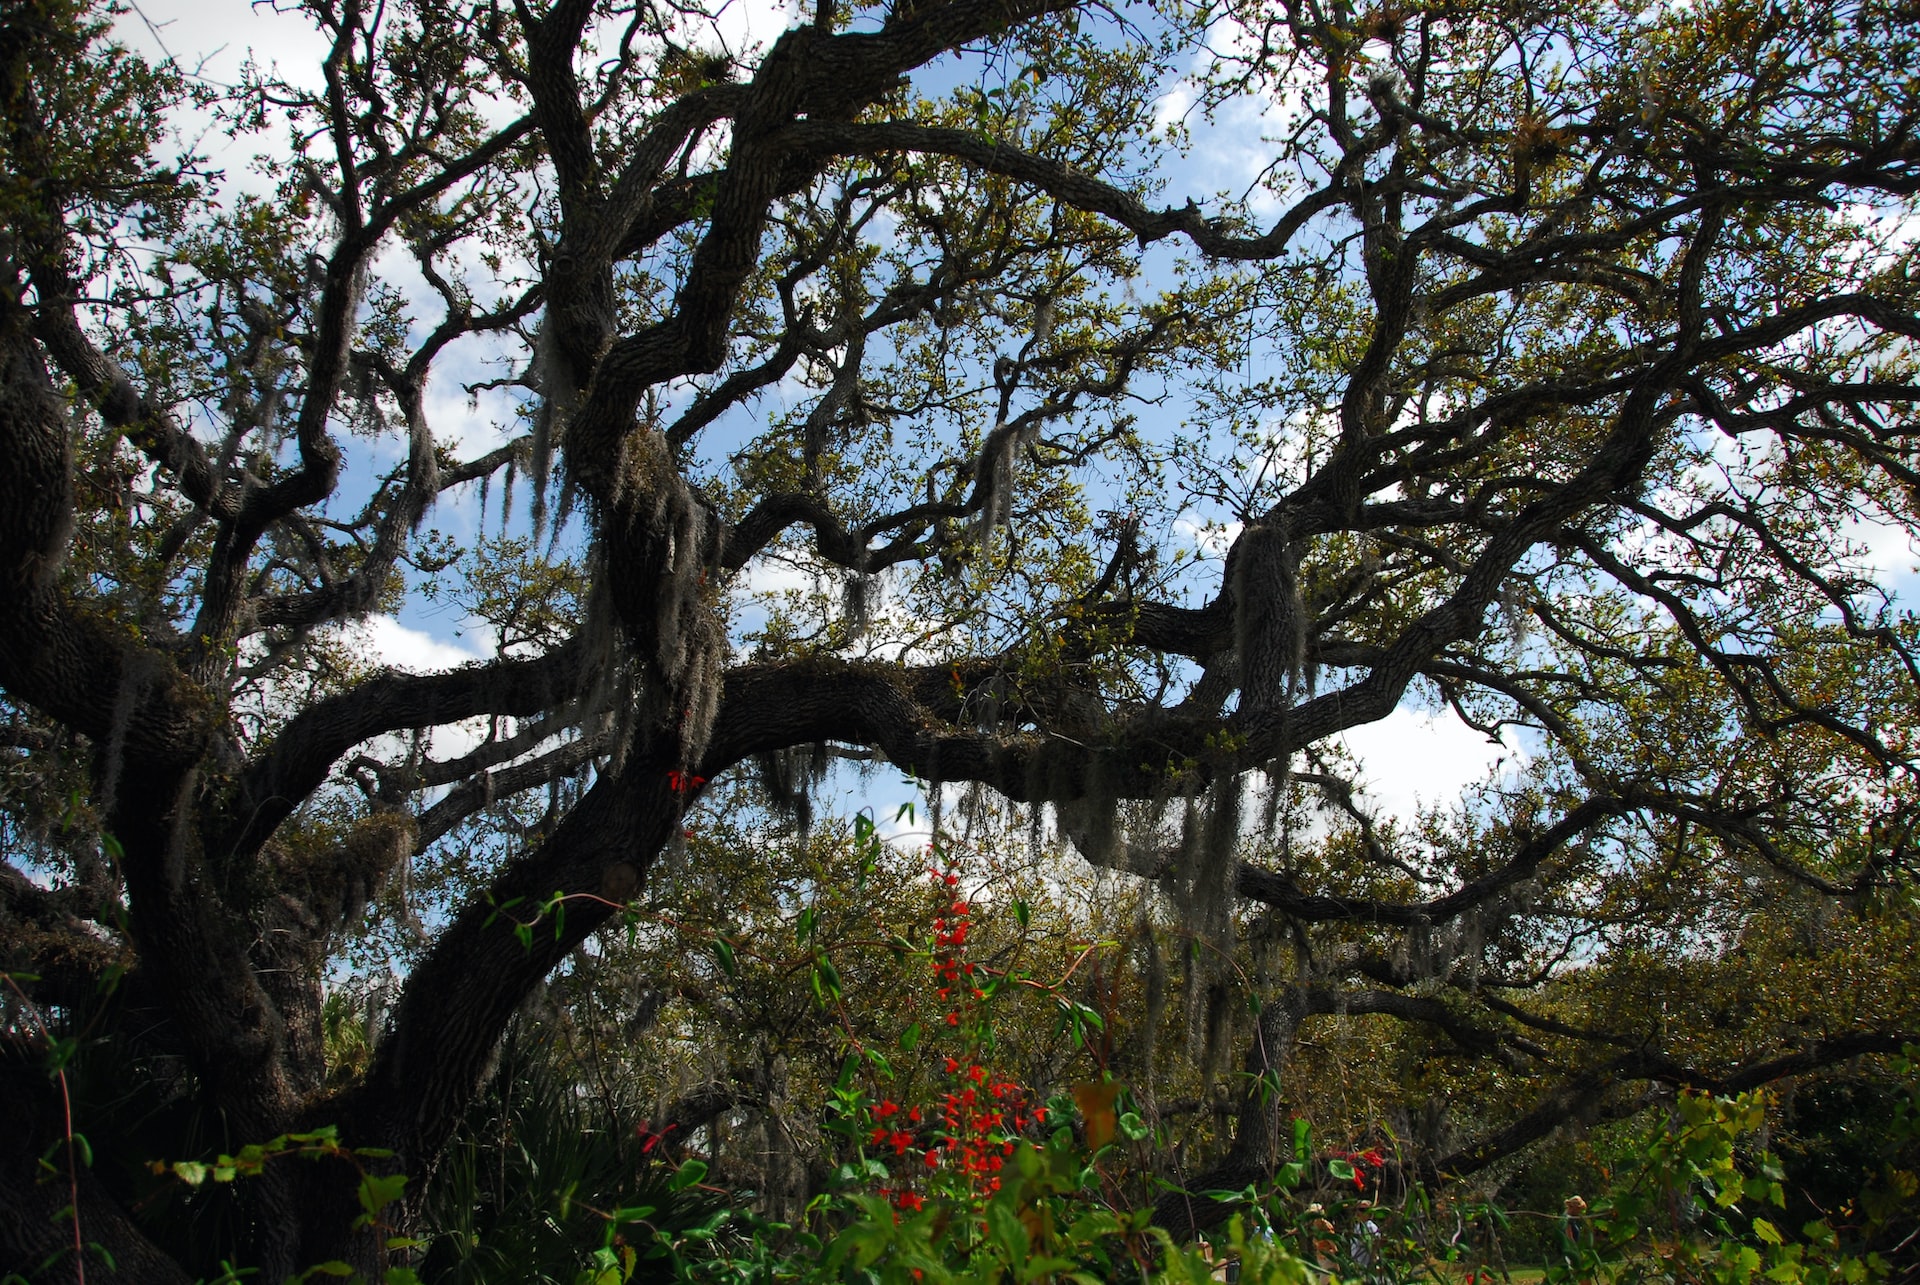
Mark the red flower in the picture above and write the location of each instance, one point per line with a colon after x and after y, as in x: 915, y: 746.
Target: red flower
x: 648, y: 1138
x: 684, y: 782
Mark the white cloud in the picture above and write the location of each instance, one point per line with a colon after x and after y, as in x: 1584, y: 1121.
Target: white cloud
x: 388, y: 642
x: 214, y: 38
x: 1173, y: 107
x: 767, y: 577
x: 741, y: 25
x: 1416, y: 757
x: 1887, y: 549
x: 1212, y: 539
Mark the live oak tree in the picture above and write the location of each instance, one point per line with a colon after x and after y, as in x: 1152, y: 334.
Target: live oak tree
x: 1548, y: 363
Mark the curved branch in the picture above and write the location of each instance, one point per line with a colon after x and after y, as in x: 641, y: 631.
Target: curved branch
x: 1583, y: 1098
x: 1064, y: 184
x: 279, y: 779
x: 486, y: 786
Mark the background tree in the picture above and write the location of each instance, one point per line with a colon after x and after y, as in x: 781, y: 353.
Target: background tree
x: 1544, y: 372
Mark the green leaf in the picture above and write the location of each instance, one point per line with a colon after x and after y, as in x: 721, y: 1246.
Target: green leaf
x: 377, y: 1191
x: 1766, y: 1231
x: 1008, y: 1232
x: 687, y: 1175
x: 826, y: 978
x: 326, y: 1133
x: 910, y: 1036
x: 191, y: 1172
x: 723, y: 955
x: 61, y: 1051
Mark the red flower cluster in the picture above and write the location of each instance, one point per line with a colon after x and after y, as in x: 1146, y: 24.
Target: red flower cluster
x: 981, y: 1118
x: 901, y: 1198
x: 684, y: 782
x: 898, y: 1139
x: 1361, y: 1162
x: 982, y: 1115
x: 949, y: 943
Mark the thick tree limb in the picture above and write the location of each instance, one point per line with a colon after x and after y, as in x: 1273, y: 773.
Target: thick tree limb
x: 281, y: 777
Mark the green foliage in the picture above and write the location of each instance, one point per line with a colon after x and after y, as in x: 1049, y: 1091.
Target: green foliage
x: 1692, y: 1210
x: 545, y: 1184
x: 1046, y: 1223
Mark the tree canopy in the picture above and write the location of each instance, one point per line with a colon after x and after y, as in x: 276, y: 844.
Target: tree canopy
x: 900, y: 390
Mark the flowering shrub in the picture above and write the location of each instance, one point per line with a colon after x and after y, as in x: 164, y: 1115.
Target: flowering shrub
x: 963, y: 1146
x: 950, y: 1162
